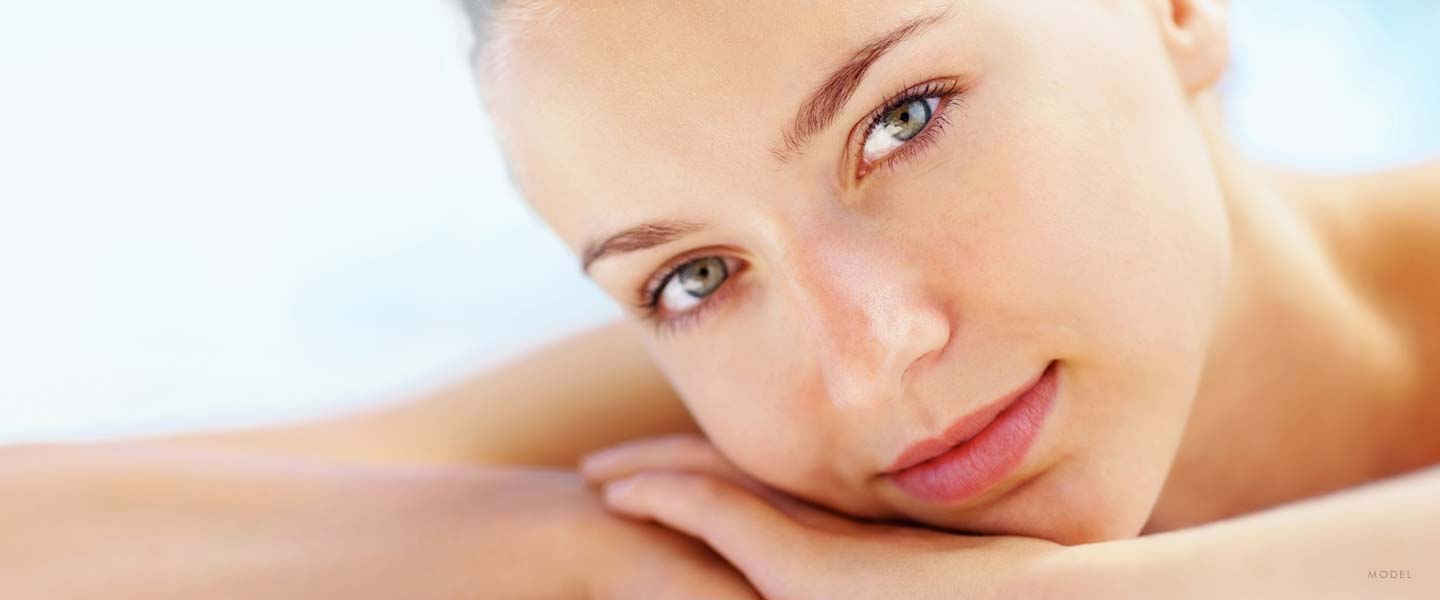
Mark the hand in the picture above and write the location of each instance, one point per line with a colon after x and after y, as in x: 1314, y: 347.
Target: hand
x: 790, y: 549
x: 571, y: 535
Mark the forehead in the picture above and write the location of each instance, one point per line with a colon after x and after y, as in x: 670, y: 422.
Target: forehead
x: 615, y: 112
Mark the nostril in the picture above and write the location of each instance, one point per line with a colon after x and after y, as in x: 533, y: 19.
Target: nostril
x: 928, y: 358
x: 917, y: 364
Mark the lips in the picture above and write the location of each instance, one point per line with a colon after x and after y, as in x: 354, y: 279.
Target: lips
x: 980, y: 449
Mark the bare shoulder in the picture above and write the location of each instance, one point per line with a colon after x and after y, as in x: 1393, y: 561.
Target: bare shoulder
x: 1383, y: 228
x: 1382, y: 231
x: 1398, y: 211
x: 1403, y: 201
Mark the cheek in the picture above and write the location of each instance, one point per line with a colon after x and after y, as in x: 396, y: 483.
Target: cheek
x: 1098, y: 194
x: 1033, y: 213
x: 1100, y: 241
x: 1128, y: 256
x: 745, y: 387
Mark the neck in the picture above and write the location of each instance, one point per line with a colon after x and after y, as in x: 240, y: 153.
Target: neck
x: 1298, y: 356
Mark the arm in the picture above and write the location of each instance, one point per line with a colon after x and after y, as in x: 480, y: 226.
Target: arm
x: 546, y: 408
x: 373, y: 505
x: 140, y: 521
x: 1323, y: 547
x: 1332, y: 546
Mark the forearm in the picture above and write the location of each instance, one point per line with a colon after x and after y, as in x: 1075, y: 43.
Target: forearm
x: 123, y: 521
x: 1380, y: 540
x: 545, y: 408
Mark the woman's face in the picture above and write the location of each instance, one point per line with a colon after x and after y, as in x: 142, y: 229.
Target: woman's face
x: 850, y: 224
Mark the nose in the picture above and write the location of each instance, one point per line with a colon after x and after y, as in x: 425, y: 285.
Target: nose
x: 869, y: 317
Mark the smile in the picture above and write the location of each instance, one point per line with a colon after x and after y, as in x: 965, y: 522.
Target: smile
x: 980, y: 449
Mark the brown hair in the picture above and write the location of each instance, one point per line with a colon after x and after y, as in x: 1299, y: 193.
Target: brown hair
x: 478, y: 12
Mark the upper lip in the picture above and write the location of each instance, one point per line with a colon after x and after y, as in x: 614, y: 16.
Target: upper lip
x: 957, y: 433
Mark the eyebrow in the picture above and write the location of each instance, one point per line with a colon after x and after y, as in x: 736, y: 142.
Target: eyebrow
x: 633, y: 239
x: 816, y: 113
x: 825, y: 103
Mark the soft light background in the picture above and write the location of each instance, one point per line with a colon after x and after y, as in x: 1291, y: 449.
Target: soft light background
x: 222, y: 214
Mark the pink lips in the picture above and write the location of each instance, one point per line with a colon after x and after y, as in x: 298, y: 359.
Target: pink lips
x: 980, y: 449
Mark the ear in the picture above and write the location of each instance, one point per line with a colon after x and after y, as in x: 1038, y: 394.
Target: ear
x: 1196, y: 34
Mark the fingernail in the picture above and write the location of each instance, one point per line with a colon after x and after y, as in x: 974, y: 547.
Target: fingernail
x: 594, y: 461
x: 619, y: 487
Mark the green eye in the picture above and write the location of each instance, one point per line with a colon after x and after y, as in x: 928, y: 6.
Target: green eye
x: 701, y: 277
x: 898, y: 125
x: 692, y: 283
x: 904, y: 122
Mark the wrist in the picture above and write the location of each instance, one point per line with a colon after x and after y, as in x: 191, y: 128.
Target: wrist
x: 1112, y: 569
x: 544, y: 530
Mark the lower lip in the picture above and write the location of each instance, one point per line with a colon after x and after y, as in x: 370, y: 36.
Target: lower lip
x: 982, y: 461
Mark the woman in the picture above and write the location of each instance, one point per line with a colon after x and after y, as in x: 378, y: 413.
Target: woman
x: 967, y: 298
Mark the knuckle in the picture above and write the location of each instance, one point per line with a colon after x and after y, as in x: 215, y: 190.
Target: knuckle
x: 683, y: 442
x: 701, y: 489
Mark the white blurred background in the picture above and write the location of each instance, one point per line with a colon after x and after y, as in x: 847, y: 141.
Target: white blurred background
x: 223, y: 214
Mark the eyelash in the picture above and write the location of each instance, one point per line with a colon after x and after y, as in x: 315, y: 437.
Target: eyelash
x: 649, y: 304
x: 947, y: 90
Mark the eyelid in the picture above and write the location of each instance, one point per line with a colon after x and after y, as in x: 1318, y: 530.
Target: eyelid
x: 667, y: 323
x: 648, y: 295
x: 947, y: 89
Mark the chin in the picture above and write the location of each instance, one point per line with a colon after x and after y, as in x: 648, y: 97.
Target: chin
x: 1064, y: 507
x: 1084, y: 510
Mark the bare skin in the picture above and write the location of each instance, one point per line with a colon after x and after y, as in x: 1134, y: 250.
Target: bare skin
x: 1337, y: 296
x: 1082, y: 205
x: 1321, y: 375
x: 1379, y: 229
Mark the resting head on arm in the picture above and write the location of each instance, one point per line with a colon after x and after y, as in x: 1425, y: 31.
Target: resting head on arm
x: 847, y: 228
x: 854, y: 234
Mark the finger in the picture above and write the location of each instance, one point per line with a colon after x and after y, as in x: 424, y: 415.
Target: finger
x: 749, y: 532
x: 683, y: 452
x: 686, y: 452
